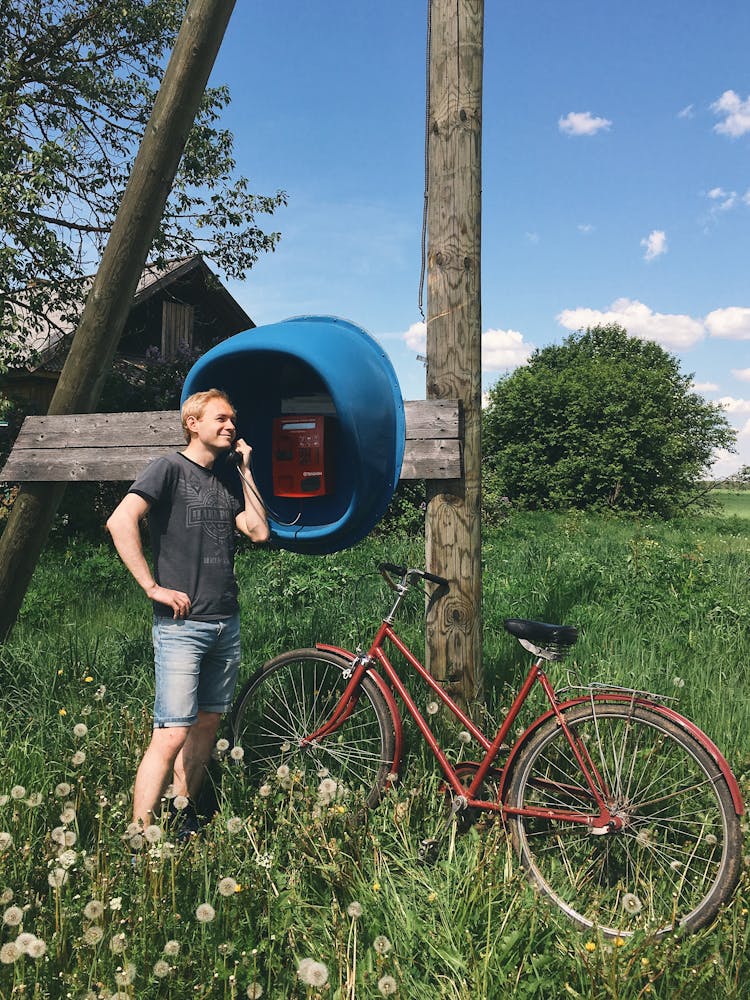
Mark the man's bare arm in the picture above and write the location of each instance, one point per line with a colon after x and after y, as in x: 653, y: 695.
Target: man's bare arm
x: 252, y: 521
x: 125, y: 531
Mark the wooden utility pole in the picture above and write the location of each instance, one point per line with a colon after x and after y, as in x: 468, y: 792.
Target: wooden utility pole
x: 111, y: 295
x: 454, y: 324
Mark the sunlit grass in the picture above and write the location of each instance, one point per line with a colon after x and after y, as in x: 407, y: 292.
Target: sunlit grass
x: 326, y: 901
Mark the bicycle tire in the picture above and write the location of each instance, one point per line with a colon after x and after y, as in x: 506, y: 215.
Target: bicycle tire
x: 291, y: 697
x: 678, y: 855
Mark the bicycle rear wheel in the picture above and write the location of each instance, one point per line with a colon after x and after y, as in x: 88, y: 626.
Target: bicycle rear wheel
x: 290, y: 698
x: 677, y: 857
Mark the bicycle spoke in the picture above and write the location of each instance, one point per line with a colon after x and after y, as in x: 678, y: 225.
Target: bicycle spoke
x: 667, y: 861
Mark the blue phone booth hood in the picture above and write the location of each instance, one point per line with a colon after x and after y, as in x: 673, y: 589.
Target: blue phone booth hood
x: 315, y: 365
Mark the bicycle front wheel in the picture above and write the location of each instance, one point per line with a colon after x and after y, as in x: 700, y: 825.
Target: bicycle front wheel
x: 677, y: 857
x: 289, y: 699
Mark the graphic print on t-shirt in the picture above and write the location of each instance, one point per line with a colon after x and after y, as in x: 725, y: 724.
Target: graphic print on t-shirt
x: 207, y: 505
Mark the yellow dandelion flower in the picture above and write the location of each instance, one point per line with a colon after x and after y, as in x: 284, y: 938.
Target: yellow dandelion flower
x: 88, y: 680
x: 432, y: 897
x: 59, y: 672
x: 619, y: 942
x: 62, y: 710
x: 590, y: 946
x: 376, y: 886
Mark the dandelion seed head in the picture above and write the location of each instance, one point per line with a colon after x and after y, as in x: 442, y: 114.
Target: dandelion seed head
x: 36, y: 948
x: 710, y: 839
x: 57, y: 836
x: 464, y: 736
x: 93, y: 910
x: 222, y: 745
x: 6, y: 841
x: 93, y: 935
x: 63, y: 790
x: 4, y: 800
x: 117, y: 943
x: 23, y: 941
x: 227, y: 886
x: 264, y: 791
x: 234, y: 824
x: 254, y: 991
x: 34, y: 800
x: 161, y: 968
x: 205, y: 913
x: 126, y: 976
x: 312, y: 973
x: 382, y: 945
x: 18, y: 792
x: 6, y: 896
x: 68, y: 815
x: 137, y: 841
x: 432, y: 708
x: 282, y: 772
x: 236, y: 753
x: 387, y: 985
x: 13, y: 916
x: 78, y: 758
x: 66, y: 859
x: 285, y: 746
x: 100, y: 692
x: 9, y: 953
x: 678, y: 682
x: 57, y: 878
x: 354, y: 909
x: 80, y: 729
x: 152, y: 834
x: 181, y: 802
x: 327, y: 790
x: 631, y: 903
x: 172, y: 948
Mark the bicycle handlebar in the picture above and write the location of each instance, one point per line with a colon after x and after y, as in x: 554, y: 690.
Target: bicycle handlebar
x: 404, y: 571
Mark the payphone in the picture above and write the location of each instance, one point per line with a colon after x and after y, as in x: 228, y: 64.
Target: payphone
x: 301, y: 460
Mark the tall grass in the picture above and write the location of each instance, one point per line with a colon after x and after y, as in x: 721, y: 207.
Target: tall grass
x: 662, y: 607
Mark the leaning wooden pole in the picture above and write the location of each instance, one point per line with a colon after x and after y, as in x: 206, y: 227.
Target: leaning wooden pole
x: 111, y: 295
x: 453, y: 524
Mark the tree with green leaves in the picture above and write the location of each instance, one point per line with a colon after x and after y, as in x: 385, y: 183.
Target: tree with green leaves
x: 78, y: 79
x: 602, y: 420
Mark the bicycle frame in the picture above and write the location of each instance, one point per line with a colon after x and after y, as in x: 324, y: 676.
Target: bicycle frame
x: 602, y: 821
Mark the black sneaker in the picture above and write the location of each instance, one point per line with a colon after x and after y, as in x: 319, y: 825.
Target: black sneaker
x: 184, y: 822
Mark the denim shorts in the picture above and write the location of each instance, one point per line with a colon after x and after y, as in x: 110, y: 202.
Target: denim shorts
x: 196, y: 668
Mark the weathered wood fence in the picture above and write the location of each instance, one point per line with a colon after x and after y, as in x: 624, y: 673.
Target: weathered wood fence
x: 116, y: 446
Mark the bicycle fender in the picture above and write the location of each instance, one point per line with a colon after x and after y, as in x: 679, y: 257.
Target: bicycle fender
x: 383, y: 687
x: 668, y: 713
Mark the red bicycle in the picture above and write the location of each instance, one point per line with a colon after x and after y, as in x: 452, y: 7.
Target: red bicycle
x: 621, y: 810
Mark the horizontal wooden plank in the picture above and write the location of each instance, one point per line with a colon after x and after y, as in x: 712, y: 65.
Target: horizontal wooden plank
x: 422, y: 460
x: 424, y: 419
x: 117, y: 446
x: 432, y: 460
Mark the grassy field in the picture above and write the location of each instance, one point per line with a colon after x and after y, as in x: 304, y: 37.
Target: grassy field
x: 734, y: 503
x: 274, y: 880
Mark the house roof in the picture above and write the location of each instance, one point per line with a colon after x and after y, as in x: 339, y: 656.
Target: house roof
x: 46, y: 340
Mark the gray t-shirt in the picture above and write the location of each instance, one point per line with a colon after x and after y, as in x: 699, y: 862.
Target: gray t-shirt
x: 191, y: 522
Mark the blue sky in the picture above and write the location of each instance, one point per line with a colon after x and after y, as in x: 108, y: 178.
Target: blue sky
x: 616, y: 181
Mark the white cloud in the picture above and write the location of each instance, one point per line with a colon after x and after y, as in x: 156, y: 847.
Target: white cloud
x: 582, y: 123
x: 532, y: 238
x: 586, y: 228
x: 504, y: 349
x: 731, y: 405
x: 745, y: 431
x: 416, y: 337
x: 668, y: 329
x: 705, y: 386
x: 723, y: 200
x: 732, y: 323
x: 735, y: 114
x: 686, y: 112
x: 655, y: 244
x: 743, y: 374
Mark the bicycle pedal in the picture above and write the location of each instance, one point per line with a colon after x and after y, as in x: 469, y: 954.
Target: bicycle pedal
x: 428, y: 850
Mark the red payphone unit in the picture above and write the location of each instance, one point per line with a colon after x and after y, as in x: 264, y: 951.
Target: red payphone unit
x: 301, y: 456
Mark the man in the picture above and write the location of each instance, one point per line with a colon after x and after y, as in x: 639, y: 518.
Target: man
x: 193, y: 509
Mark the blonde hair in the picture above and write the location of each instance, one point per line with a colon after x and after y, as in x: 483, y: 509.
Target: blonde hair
x: 195, y: 405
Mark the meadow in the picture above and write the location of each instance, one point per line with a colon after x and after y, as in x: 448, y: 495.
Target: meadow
x: 284, y: 899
